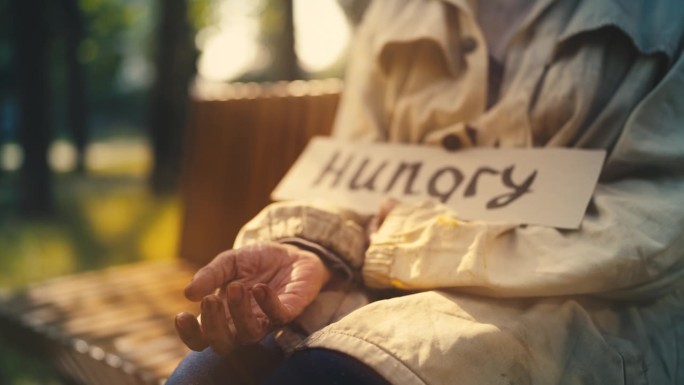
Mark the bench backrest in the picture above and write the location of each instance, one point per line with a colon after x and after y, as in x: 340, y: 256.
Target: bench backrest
x: 242, y: 139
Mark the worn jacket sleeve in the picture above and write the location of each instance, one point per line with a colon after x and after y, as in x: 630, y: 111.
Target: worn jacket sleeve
x: 630, y: 243
x: 359, y: 117
x: 339, y: 230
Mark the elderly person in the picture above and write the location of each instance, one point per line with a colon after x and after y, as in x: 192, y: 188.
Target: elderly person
x: 475, y: 302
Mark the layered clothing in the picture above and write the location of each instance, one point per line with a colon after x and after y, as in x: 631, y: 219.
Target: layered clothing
x: 500, y: 303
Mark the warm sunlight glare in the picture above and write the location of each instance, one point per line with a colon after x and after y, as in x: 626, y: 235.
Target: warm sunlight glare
x: 230, y: 47
x: 11, y: 156
x: 321, y: 33
x: 62, y: 156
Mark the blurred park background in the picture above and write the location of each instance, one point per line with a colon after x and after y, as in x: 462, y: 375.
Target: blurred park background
x: 93, y: 105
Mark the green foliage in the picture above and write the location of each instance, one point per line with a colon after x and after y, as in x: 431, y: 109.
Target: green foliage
x: 202, y: 13
x: 110, y: 26
x: 104, y: 219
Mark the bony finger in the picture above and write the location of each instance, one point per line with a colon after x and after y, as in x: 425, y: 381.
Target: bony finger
x: 212, y: 276
x: 189, y: 331
x: 248, y: 328
x: 271, y: 305
x: 215, y: 326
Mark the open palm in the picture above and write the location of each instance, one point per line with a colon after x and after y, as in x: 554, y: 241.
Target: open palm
x: 248, y: 292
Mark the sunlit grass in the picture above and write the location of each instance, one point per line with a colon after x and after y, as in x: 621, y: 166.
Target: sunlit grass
x: 103, y: 218
x: 158, y: 242
x: 106, y: 217
x: 111, y: 216
x: 33, y: 251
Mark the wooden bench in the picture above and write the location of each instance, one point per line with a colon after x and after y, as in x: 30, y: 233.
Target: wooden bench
x: 115, y: 326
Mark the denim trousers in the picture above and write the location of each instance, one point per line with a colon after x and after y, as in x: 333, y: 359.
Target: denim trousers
x: 266, y: 364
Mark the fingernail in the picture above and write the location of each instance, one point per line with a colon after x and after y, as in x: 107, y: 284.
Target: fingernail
x: 182, y: 320
x: 208, y: 304
x: 235, y: 292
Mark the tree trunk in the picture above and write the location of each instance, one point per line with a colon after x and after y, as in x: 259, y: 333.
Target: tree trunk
x: 286, y: 55
x: 354, y: 10
x: 169, y: 97
x: 33, y: 64
x: 277, y: 34
x: 76, y: 102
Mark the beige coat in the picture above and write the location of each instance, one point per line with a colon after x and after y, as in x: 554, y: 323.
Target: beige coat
x: 496, y: 303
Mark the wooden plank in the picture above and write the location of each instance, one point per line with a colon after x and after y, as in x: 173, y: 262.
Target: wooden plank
x: 101, y: 328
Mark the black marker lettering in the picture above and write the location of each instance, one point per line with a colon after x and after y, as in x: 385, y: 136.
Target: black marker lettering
x: 330, y: 169
x: 472, y: 186
x: 518, y: 190
x: 403, y: 166
x: 457, y: 178
x: 370, y: 183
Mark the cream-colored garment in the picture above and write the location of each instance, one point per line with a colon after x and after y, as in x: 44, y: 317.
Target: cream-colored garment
x: 579, y: 73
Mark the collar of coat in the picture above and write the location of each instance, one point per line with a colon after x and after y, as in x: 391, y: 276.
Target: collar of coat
x: 654, y: 26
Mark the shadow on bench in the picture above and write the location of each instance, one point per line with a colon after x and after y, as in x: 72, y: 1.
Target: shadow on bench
x: 115, y: 326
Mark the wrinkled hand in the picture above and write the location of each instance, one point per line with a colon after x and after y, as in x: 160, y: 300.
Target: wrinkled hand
x: 248, y: 292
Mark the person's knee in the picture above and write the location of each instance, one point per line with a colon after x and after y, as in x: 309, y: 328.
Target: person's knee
x: 204, y: 368
x: 323, y: 366
x: 246, y: 365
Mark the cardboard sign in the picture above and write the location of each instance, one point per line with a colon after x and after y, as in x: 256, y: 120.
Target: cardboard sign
x: 550, y: 187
